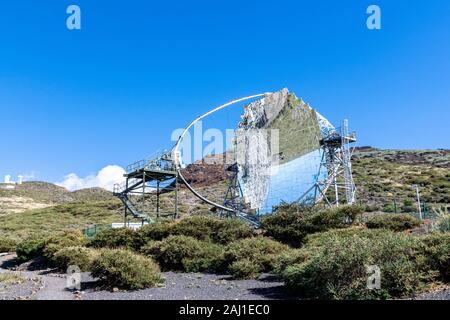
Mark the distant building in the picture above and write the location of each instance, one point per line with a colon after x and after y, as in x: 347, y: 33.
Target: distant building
x: 8, y: 184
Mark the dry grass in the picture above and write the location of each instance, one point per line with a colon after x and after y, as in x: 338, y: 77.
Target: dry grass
x: 10, y: 278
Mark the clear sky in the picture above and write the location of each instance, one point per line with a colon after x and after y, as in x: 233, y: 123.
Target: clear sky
x: 112, y: 92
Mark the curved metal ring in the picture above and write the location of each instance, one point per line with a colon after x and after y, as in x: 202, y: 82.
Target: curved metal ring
x: 177, y: 157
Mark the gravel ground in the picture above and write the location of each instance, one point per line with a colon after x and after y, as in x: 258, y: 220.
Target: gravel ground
x: 46, y: 284
x: 25, y: 290
x: 192, y: 286
x: 440, y: 294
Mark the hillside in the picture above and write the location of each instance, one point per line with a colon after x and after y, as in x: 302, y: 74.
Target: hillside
x: 43, y: 222
x: 384, y: 175
x: 38, y: 195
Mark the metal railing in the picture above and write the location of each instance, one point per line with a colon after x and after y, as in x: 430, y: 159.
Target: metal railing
x: 160, y: 161
x: 119, y: 188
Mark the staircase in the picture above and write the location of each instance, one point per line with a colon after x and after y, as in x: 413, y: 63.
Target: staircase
x: 136, y: 214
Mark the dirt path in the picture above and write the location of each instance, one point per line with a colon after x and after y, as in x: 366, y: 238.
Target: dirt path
x: 195, y: 286
x: 44, y: 284
x: 37, y: 284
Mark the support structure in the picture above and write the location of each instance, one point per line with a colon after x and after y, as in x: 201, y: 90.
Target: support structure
x: 336, y: 159
x: 233, y: 197
x: 146, y: 181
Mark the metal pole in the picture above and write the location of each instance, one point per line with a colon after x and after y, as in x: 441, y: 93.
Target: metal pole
x: 418, y: 201
x: 126, y: 210
x: 336, y: 191
x: 143, y: 190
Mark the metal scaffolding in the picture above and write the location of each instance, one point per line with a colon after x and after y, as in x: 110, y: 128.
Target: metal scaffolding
x: 337, y: 152
x: 146, y: 180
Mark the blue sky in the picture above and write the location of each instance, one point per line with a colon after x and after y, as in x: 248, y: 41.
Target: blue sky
x: 111, y: 93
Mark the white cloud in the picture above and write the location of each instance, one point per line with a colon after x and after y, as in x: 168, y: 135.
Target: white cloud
x: 105, y: 178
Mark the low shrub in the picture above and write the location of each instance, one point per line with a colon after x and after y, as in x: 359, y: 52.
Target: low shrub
x: 231, y: 230
x: 287, y: 227
x: 320, y: 239
x: 336, y: 267
x: 30, y: 248
x: 198, y: 227
x: 7, y: 245
x: 244, y: 269
x: 64, y: 239
x: 291, y: 224
x: 203, y: 228
x: 156, y: 231
x: 182, y: 253
x: 262, y: 252
x: 388, y: 208
x: 408, y: 206
x: 81, y: 257
x: 126, y: 270
x: 394, y: 222
x: 443, y: 224
x: 436, y: 248
x: 118, y: 238
x: 206, y: 228
x: 334, y: 218
x: 289, y: 258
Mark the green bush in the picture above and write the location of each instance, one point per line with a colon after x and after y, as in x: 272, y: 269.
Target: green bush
x: 337, y: 264
x: 64, y: 239
x: 289, y: 258
x: 182, y: 253
x: 118, y: 238
x: 389, y: 208
x: 203, y: 228
x: 156, y: 231
x: 394, y: 222
x: 334, y: 218
x: 206, y: 228
x: 81, y: 257
x: 436, y: 248
x: 318, y: 240
x: 126, y: 270
x: 291, y: 224
x: 230, y: 230
x: 30, y: 248
x: 287, y: 227
x: 408, y: 206
x: 262, y: 252
x: 244, y: 269
x: 443, y: 224
x: 369, y: 208
x: 7, y: 245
